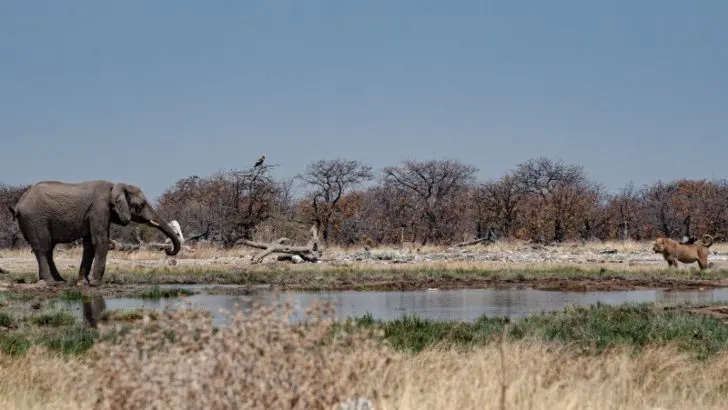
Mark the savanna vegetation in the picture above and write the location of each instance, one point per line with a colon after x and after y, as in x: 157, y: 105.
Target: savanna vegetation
x: 629, y: 357
x: 423, y: 202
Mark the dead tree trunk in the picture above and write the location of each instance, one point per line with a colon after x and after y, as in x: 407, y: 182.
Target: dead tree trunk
x: 309, y: 253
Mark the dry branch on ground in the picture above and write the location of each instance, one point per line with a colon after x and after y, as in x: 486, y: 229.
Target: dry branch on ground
x: 131, y: 247
x: 310, y: 252
x: 474, y: 242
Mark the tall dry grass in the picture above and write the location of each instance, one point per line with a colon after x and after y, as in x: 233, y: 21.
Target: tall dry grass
x: 179, y: 361
x: 538, y: 376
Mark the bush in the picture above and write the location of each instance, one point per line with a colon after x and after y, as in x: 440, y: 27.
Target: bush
x: 260, y: 361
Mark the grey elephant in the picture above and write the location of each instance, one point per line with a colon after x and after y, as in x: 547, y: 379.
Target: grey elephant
x: 53, y: 212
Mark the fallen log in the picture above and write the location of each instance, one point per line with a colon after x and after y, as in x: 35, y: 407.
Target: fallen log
x: 131, y: 247
x: 473, y: 242
x: 309, y: 252
x: 490, y: 237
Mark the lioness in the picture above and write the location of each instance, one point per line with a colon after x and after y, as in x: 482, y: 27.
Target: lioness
x: 674, y: 251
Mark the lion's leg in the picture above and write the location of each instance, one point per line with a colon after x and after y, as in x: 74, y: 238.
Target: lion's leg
x: 668, y: 259
x: 703, y: 261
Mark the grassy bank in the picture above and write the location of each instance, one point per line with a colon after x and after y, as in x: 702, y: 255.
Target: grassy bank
x: 570, y: 265
x: 408, y: 277
x: 588, y: 329
x: 576, y: 359
x: 54, y: 329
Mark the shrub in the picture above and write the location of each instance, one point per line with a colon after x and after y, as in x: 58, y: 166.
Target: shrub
x: 261, y: 361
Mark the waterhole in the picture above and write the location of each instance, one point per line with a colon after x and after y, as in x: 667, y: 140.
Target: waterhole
x: 458, y: 305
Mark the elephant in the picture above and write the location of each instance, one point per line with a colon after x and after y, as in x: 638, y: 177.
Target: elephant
x: 54, y: 212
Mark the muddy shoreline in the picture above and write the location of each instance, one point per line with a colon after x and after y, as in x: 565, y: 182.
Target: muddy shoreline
x: 574, y: 284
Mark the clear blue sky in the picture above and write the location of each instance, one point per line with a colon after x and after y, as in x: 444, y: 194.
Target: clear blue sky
x: 152, y: 91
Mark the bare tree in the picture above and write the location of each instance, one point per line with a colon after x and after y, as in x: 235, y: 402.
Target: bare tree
x: 225, y: 206
x: 592, y: 209
x: 496, y: 204
x: 433, y: 186
x: 389, y: 215
x: 715, y: 211
x: 557, y: 189
x: 330, y: 180
x: 10, y: 235
x: 627, y: 204
x: 660, y: 211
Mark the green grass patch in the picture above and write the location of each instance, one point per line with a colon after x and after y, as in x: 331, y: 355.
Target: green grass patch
x: 71, y: 295
x: 70, y: 340
x: 6, y: 297
x: 6, y: 320
x: 594, y: 328
x: 14, y: 344
x: 155, y: 292
x: 53, y: 318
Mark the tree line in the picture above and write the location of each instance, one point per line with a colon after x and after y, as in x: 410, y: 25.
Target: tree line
x: 422, y: 202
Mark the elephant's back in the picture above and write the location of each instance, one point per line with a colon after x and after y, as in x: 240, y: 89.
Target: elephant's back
x: 58, y: 195
x: 55, y: 184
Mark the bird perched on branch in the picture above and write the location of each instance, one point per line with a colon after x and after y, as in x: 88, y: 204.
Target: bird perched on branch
x: 259, y: 162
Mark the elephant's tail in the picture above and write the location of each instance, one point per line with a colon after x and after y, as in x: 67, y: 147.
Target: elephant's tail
x: 13, y: 212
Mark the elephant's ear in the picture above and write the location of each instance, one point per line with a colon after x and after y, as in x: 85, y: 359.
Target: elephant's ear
x: 119, y: 203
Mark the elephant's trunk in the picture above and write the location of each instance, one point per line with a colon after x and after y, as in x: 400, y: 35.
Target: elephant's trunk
x: 163, y: 226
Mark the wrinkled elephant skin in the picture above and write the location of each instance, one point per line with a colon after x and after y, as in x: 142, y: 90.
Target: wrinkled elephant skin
x: 53, y: 212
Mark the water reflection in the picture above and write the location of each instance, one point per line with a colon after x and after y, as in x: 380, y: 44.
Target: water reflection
x: 463, y: 305
x: 93, y: 308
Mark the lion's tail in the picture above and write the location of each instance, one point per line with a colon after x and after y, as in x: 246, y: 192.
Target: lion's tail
x: 707, y: 240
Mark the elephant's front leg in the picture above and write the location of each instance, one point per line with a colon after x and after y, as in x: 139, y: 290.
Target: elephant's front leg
x: 86, y: 261
x: 98, y: 266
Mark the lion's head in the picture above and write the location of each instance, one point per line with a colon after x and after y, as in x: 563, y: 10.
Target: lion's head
x: 658, y: 246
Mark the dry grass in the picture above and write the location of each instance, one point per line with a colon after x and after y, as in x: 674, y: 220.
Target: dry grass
x: 543, y: 377
x: 179, y: 361
x: 38, y: 381
x: 207, y: 251
x: 536, y: 377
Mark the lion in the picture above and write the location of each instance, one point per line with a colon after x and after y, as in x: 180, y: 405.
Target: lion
x: 674, y: 251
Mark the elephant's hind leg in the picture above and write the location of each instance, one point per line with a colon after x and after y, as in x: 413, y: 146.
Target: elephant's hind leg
x: 86, y: 260
x: 54, y: 271
x: 44, y: 269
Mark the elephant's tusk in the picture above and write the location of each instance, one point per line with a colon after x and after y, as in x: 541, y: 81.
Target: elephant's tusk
x: 154, y: 224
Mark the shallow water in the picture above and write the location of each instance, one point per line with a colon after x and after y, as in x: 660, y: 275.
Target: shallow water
x: 462, y: 305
